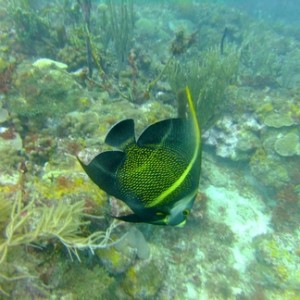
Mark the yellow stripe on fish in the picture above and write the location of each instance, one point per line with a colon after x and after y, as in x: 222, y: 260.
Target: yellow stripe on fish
x: 157, y: 175
x: 180, y: 180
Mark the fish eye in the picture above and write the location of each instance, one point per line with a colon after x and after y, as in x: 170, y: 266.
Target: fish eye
x: 186, y: 212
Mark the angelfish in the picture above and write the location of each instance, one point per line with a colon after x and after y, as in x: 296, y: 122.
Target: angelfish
x: 157, y: 175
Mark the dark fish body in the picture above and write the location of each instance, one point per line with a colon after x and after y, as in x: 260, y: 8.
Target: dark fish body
x: 157, y: 175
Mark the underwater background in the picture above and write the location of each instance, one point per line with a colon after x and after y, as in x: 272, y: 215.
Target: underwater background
x: 70, y: 69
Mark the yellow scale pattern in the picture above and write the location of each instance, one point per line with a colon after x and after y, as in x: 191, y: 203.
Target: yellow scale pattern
x: 143, y: 166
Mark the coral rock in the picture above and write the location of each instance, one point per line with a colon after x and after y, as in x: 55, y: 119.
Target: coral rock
x: 43, y: 63
x: 288, y: 144
x: 278, y: 120
x: 144, y: 279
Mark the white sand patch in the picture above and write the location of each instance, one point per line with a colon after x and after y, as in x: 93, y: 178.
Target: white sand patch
x: 245, y: 216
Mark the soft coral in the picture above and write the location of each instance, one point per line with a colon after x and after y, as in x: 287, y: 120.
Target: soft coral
x: 5, y: 78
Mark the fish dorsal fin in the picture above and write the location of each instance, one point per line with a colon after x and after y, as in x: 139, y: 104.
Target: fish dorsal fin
x: 165, y: 132
x: 121, y: 134
x: 103, y: 169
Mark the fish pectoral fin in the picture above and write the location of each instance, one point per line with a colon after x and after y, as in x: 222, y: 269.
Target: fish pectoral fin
x: 103, y: 168
x: 133, y: 218
x: 121, y: 134
x: 157, y: 219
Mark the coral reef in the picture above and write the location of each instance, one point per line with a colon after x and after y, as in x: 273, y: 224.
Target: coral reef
x: 3, y: 115
x: 26, y: 221
x: 118, y: 258
x: 276, y: 262
x: 33, y: 31
x: 121, y: 19
x: 87, y: 282
x: 268, y: 170
x: 233, y: 140
x: 208, y: 79
x: 129, y: 60
x: 288, y: 144
x: 6, y: 72
x: 144, y: 279
x: 261, y: 66
x: 286, y: 212
x: 55, y: 94
x: 278, y: 120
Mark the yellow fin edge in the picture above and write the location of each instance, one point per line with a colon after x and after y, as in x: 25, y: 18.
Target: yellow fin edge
x: 179, y: 181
